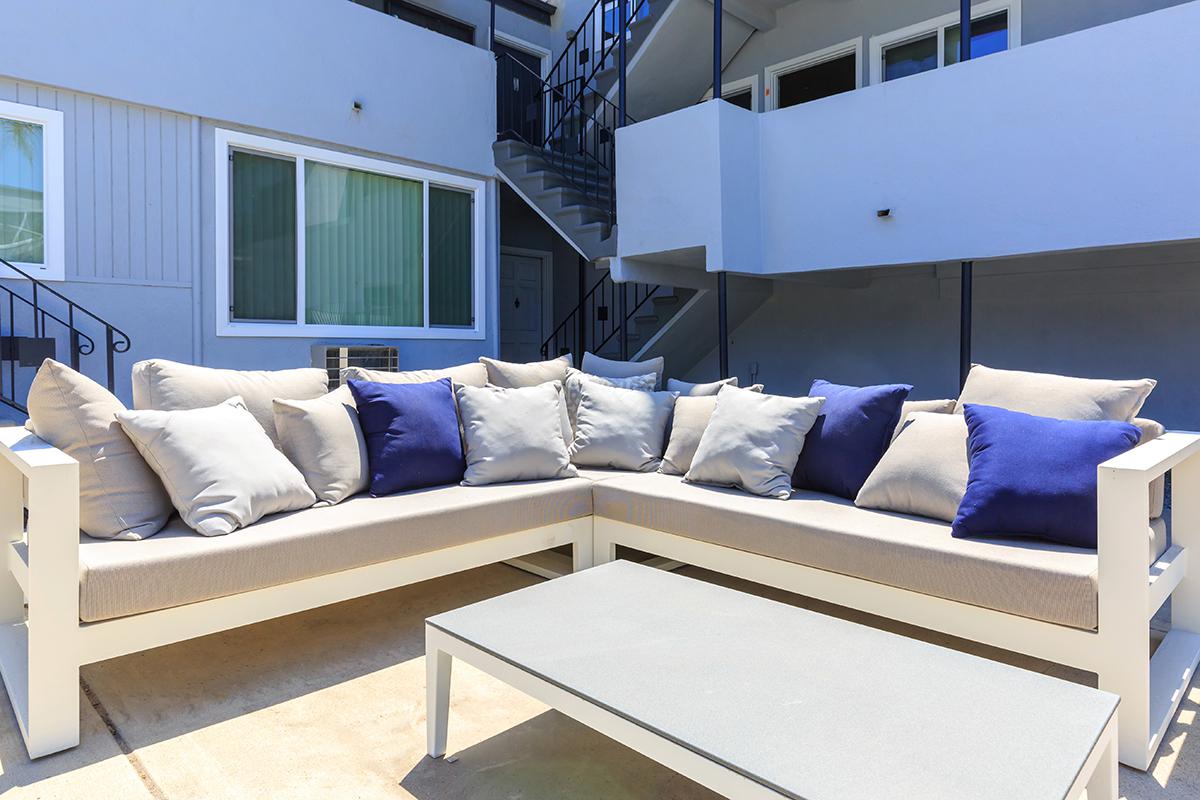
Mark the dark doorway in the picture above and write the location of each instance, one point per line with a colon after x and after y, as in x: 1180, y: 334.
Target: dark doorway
x: 742, y: 98
x: 430, y: 20
x: 820, y: 80
x: 521, y: 101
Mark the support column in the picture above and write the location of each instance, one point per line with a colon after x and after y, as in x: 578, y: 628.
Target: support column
x: 492, y: 28
x: 623, y: 318
x: 717, y: 49
x: 581, y: 338
x: 622, y: 24
x: 968, y: 267
x: 722, y: 322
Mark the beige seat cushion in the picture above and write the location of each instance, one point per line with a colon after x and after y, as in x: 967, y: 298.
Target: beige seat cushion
x: 177, y: 566
x: 1024, y: 577
x: 163, y: 385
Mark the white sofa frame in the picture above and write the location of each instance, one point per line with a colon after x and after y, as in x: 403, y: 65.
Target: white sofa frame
x: 1118, y: 651
x: 43, y: 643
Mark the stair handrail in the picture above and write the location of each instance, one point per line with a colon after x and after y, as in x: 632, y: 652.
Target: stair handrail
x: 571, y: 317
x: 650, y: 292
x: 81, y: 343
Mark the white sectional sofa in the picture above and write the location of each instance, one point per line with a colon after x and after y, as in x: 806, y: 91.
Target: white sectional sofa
x: 68, y: 600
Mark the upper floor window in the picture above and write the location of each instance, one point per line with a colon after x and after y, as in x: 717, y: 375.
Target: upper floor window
x: 430, y: 20
x: 31, y: 189
x: 320, y: 243
x: 995, y: 27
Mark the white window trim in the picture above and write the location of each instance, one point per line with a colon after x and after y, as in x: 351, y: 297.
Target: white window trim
x: 53, y: 190
x: 226, y: 139
x: 938, y: 25
x: 775, y: 71
x: 740, y: 85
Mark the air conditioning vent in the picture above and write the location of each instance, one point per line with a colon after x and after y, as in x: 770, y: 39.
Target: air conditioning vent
x: 333, y: 359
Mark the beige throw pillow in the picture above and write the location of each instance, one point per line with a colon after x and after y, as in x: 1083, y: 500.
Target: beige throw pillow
x: 170, y: 386
x: 218, y: 465
x: 621, y: 428
x: 687, y: 426
x: 120, y: 497
x: 472, y: 374
x: 1058, y: 396
x: 323, y: 439
x: 612, y: 368
x: 686, y: 389
x: 753, y: 441
x: 510, y: 375
x: 929, y: 406
x: 924, y: 471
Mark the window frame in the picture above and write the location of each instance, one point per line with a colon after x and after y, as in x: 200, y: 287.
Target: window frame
x: 774, y: 72
x: 738, y: 86
x: 53, y: 267
x: 937, y: 26
x: 229, y: 140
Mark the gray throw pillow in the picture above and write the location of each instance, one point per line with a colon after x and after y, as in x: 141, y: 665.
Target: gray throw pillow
x: 514, y: 434
x: 686, y: 389
x: 924, y: 471
x: 687, y: 426
x: 611, y: 368
x: 120, y: 497
x: 471, y: 374
x: 220, y: 468
x: 621, y: 428
x: 1058, y: 396
x: 510, y: 375
x: 929, y: 406
x: 576, y: 379
x: 753, y: 441
x: 164, y: 385
x: 323, y: 439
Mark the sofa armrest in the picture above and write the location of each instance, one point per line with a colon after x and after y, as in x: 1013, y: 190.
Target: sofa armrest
x: 40, y: 478
x: 1126, y: 600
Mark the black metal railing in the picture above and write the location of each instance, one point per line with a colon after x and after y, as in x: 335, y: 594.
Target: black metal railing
x: 596, y: 320
x: 580, y: 146
x: 33, y: 320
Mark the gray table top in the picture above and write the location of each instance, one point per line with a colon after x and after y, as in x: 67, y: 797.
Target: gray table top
x: 813, y: 706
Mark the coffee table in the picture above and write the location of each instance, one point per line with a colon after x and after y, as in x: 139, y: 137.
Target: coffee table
x: 758, y: 699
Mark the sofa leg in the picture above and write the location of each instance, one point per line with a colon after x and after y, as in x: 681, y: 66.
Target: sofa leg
x: 582, y: 547
x: 604, y: 549
x: 1129, y: 677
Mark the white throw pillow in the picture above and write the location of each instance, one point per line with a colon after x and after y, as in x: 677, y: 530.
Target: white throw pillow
x: 621, y: 428
x: 170, y: 386
x: 611, y: 368
x: 323, y: 439
x: 515, y: 434
x: 1058, y: 396
x: 686, y: 389
x: 220, y: 468
x: 120, y: 497
x: 511, y: 375
x: 472, y: 374
x: 924, y: 471
x: 753, y: 441
x: 576, y: 379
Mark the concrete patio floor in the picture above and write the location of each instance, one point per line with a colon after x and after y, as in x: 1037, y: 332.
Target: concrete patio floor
x: 331, y: 703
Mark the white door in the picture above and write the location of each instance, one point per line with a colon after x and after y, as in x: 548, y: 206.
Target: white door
x: 520, y: 307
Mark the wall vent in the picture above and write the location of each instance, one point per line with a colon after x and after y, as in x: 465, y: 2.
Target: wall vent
x: 333, y: 359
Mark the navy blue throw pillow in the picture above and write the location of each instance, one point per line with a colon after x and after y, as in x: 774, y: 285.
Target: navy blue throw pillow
x: 411, y: 430
x: 849, y: 437
x: 1035, y: 476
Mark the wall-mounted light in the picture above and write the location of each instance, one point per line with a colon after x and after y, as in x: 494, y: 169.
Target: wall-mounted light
x: 357, y: 106
x: 883, y: 212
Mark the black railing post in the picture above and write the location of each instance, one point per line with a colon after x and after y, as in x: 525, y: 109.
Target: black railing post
x: 623, y: 15
x: 581, y: 341
x: 109, y: 351
x: 492, y: 28
x: 623, y: 319
x: 968, y: 267
x: 717, y: 49
x: 723, y: 323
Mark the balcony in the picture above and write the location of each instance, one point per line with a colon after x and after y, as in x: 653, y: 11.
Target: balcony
x: 1082, y: 142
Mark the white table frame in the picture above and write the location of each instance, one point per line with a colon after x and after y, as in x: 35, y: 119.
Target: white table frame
x: 1097, y: 779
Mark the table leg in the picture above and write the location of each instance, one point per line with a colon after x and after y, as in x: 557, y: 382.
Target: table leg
x: 437, y: 699
x: 1103, y: 783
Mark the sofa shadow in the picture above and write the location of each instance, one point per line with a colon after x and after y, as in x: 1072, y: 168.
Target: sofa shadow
x: 548, y: 757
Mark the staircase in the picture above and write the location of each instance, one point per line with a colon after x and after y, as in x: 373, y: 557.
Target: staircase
x: 38, y: 322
